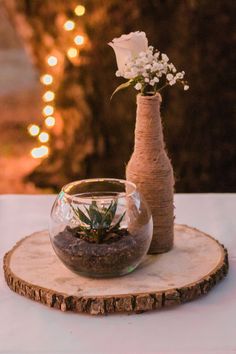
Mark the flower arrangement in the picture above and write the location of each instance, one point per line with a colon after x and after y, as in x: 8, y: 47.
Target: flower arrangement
x: 146, y: 69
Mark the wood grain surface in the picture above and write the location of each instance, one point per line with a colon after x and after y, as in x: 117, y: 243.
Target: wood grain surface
x: 192, y: 268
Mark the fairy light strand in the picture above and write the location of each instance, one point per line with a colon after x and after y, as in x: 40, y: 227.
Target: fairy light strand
x: 49, y: 80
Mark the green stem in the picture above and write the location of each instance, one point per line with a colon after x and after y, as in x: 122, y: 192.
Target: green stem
x: 143, y: 90
x: 99, y: 235
x: 160, y: 89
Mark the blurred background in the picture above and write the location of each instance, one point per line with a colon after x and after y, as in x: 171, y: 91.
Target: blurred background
x: 57, y: 74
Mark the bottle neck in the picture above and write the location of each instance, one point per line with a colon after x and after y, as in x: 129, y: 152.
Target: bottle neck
x: 148, y: 128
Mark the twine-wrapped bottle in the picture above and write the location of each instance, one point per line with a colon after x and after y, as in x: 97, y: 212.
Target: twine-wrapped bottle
x: 151, y: 170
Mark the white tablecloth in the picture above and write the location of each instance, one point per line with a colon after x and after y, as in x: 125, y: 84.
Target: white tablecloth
x: 204, y: 326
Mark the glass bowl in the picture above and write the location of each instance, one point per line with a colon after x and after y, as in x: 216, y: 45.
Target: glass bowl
x: 100, y: 227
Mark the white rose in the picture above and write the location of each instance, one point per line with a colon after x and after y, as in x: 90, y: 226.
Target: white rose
x: 128, y: 46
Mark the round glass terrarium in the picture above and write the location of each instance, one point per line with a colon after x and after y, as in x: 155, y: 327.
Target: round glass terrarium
x: 100, y: 227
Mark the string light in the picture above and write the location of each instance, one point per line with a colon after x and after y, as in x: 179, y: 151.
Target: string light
x: 79, y: 40
x: 50, y: 122
x: 46, y: 79
x: 72, y: 52
x: 79, y: 10
x: 43, y: 137
x: 48, y: 96
x: 48, y: 110
x: 33, y: 129
x: 69, y: 25
x: 52, y: 60
x: 40, y: 152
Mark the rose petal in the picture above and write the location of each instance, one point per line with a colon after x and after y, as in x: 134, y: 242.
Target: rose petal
x: 122, y: 55
x: 128, y: 45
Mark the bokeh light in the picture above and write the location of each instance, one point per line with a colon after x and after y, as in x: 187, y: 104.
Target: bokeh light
x: 43, y: 137
x: 46, y: 79
x: 33, y: 129
x: 48, y: 96
x: 79, y: 10
x: 50, y: 122
x: 40, y: 152
x: 52, y: 60
x: 72, y: 52
x: 48, y: 110
x: 69, y: 25
x: 79, y: 40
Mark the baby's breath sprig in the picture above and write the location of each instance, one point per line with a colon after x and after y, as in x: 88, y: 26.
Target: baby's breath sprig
x: 150, y: 72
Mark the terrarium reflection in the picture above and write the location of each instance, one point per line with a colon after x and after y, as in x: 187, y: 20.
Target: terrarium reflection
x: 100, y: 227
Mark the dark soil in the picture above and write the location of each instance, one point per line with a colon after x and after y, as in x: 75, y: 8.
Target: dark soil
x: 118, y: 256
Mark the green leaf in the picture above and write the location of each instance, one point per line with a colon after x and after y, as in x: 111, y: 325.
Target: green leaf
x: 113, y: 209
x: 83, y: 228
x: 80, y: 214
x: 117, y: 225
x: 95, y: 215
x: 109, y: 214
x: 98, y: 220
x: 122, y: 87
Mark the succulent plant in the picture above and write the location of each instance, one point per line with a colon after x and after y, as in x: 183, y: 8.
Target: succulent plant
x: 97, y: 224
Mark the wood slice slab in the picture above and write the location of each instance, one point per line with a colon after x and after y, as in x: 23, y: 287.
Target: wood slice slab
x: 195, y: 264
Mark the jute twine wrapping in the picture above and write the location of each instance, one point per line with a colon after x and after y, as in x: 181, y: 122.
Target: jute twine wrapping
x: 151, y: 170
